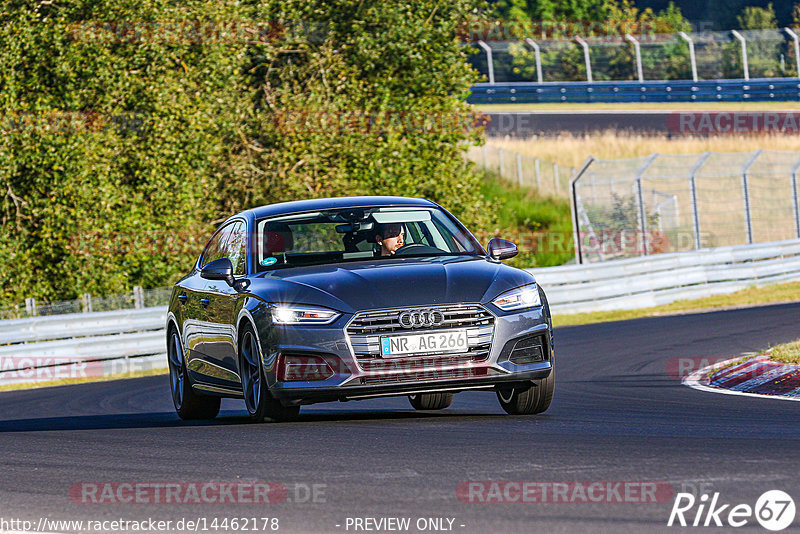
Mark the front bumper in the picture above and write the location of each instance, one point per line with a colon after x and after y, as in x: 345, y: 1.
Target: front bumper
x: 449, y: 372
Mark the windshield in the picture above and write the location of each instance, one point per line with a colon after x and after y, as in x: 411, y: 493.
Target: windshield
x: 357, y: 234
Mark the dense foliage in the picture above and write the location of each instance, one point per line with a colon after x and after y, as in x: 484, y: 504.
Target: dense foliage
x: 132, y: 127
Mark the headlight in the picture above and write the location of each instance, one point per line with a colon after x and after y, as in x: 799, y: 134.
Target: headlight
x: 517, y: 299
x: 293, y: 314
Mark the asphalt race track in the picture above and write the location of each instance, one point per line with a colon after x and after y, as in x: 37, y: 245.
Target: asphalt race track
x: 618, y: 415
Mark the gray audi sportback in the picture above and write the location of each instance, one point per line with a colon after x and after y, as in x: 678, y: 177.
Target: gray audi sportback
x: 355, y: 298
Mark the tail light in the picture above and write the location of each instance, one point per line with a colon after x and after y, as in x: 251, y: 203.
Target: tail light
x: 302, y: 368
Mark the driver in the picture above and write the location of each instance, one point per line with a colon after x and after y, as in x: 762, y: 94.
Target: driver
x: 390, y: 237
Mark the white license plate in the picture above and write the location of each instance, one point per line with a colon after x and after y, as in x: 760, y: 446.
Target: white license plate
x: 450, y: 341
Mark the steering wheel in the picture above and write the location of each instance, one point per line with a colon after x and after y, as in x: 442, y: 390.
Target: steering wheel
x: 416, y: 248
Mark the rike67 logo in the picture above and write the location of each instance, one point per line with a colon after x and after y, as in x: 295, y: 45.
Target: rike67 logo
x: 774, y: 510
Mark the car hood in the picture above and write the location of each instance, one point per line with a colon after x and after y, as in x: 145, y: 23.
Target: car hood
x: 390, y: 283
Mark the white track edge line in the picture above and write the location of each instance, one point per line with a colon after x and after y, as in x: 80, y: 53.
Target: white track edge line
x: 693, y: 381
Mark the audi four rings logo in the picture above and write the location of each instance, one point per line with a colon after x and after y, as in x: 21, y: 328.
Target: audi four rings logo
x: 418, y: 318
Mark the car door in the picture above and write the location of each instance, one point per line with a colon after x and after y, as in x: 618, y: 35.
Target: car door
x: 221, y: 349
x: 202, y: 332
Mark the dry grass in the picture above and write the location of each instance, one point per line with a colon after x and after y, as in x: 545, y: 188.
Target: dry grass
x: 747, y: 297
x: 572, y: 151
x: 786, y: 353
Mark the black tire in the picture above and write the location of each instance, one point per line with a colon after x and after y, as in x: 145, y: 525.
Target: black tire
x: 188, y: 403
x: 431, y: 401
x: 533, y: 399
x: 261, y: 405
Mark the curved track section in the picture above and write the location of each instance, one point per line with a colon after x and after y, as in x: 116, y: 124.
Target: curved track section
x: 619, y: 415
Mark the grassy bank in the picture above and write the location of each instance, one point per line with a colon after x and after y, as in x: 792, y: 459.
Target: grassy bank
x: 786, y: 353
x: 539, y: 225
x: 754, y: 296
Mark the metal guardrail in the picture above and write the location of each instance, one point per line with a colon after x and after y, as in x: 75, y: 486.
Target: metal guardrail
x: 664, y: 278
x: 762, y: 90
x: 82, y: 344
x: 134, y: 339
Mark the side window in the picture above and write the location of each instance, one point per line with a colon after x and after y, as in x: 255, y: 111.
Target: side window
x: 236, y: 248
x: 215, y: 249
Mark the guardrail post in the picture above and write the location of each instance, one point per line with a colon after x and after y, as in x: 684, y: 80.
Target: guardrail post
x: 693, y: 189
x: 500, y: 156
x: 794, y: 200
x: 588, y: 63
x: 489, y: 60
x: 692, y: 57
x: 746, y: 195
x: 638, y: 53
x: 538, y: 55
x: 538, y: 174
x: 86, y: 303
x: 741, y: 39
x: 796, y: 42
x: 519, y: 169
x: 573, y: 206
x: 138, y: 297
x: 640, y: 198
x: 30, y: 306
x: 556, y: 187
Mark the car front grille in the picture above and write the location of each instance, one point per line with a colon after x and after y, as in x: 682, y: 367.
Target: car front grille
x: 420, y: 376
x: 366, y: 329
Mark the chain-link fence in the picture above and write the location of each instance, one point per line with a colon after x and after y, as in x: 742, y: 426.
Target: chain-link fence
x: 672, y: 203
x: 732, y: 54
x: 138, y: 298
x: 547, y: 177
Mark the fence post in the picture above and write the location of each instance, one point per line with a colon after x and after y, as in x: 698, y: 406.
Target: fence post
x: 519, y: 169
x: 556, y: 188
x: 483, y: 150
x: 489, y: 60
x: 538, y: 55
x: 640, y: 198
x: 638, y: 53
x: 693, y: 189
x: 138, y: 297
x: 86, y: 303
x: 796, y: 43
x: 538, y: 174
x: 573, y: 206
x: 692, y: 58
x: 500, y: 155
x: 30, y: 306
x: 588, y: 63
x: 741, y: 39
x: 746, y: 195
x: 794, y: 200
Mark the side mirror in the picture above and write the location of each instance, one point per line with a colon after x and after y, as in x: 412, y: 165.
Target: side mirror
x: 221, y: 269
x: 500, y: 249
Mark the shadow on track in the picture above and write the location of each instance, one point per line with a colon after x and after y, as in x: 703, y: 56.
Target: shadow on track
x: 169, y: 419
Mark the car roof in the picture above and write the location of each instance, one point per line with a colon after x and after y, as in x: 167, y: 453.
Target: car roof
x: 300, y: 206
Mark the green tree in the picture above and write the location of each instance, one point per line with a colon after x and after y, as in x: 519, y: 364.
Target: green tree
x: 757, y: 18
x: 129, y: 132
